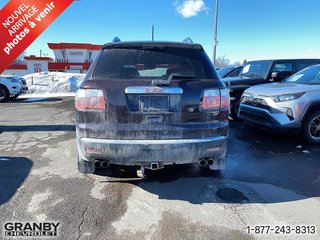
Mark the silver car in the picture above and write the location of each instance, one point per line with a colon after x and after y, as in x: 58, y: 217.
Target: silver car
x: 293, y: 104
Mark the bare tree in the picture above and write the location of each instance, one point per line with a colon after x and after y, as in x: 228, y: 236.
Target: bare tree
x: 237, y: 63
x: 222, y: 61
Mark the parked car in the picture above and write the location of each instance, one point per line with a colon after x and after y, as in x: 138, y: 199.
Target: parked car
x: 293, y: 104
x: 11, y: 87
x: 151, y: 104
x: 230, y: 71
x: 263, y: 71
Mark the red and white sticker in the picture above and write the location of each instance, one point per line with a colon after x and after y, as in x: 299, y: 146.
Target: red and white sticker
x: 21, y: 22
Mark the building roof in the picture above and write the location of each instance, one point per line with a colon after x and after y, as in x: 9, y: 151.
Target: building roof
x: 18, y: 67
x: 38, y: 58
x: 86, y: 46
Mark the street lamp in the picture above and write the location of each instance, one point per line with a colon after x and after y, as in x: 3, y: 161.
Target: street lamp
x: 215, y: 33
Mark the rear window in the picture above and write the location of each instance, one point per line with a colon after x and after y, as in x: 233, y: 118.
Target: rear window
x: 153, y: 63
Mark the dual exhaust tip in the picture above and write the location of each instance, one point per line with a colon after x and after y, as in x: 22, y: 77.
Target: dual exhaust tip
x: 101, y: 164
x: 206, y: 162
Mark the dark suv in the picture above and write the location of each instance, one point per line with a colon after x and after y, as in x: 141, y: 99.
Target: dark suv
x: 151, y: 104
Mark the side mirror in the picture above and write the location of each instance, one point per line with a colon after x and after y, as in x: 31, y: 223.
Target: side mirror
x: 278, y: 76
x: 275, y: 75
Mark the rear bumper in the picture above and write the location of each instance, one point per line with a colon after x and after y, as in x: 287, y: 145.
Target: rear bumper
x: 145, y: 152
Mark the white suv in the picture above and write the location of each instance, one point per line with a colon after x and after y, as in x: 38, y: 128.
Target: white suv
x: 293, y: 104
x: 11, y: 87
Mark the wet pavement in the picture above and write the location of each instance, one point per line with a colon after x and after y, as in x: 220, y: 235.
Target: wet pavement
x: 272, y: 179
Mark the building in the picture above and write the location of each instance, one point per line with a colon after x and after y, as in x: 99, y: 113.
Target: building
x: 73, y: 57
x: 69, y: 57
x: 37, y: 64
x: 16, y: 69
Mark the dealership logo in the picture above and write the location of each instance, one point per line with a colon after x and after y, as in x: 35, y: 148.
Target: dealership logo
x: 76, y: 53
x: 33, y: 229
x: 153, y: 90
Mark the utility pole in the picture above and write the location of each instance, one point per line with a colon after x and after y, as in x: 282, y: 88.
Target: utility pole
x: 215, y: 34
x: 152, y: 33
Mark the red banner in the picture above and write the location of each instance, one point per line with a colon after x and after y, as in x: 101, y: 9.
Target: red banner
x: 21, y: 22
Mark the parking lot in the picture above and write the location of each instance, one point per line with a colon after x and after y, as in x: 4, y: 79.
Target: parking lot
x: 271, y: 179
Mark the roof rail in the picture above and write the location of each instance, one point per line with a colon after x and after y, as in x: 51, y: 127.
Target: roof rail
x: 187, y: 40
x: 116, y: 39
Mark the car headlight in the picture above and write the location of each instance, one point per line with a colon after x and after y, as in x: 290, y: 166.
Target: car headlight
x: 287, y: 97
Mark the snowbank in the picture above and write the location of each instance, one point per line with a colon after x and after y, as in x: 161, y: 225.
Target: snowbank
x: 53, y: 83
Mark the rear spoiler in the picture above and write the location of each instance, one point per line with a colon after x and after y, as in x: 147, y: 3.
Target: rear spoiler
x: 153, y: 44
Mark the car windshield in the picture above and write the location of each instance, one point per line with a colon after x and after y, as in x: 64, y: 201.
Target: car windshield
x: 225, y: 70
x: 153, y: 63
x: 256, y: 69
x: 309, y: 75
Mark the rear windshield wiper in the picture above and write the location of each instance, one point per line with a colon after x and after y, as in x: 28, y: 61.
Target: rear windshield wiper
x: 161, y: 82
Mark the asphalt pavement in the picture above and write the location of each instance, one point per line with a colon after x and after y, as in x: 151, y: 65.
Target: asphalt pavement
x: 272, y: 179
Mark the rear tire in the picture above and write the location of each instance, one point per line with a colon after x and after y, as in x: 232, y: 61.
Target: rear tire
x: 234, y: 111
x: 4, y: 94
x: 311, y: 127
x: 85, y: 166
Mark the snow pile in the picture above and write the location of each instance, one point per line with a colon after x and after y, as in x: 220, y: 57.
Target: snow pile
x: 53, y: 83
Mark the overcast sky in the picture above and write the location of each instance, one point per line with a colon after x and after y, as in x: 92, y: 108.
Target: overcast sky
x: 248, y: 29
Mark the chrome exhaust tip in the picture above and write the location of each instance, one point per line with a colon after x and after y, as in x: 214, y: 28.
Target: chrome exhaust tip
x: 104, y: 164
x: 210, y: 161
x: 202, y: 163
x: 97, y: 164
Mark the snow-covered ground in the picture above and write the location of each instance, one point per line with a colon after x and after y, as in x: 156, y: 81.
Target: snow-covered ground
x: 52, y: 84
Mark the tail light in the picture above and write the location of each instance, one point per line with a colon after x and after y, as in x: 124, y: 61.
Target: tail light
x: 90, y: 99
x: 215, y: 100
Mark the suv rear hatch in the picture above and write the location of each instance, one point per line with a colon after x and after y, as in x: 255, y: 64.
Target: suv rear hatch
x: 153, y: 91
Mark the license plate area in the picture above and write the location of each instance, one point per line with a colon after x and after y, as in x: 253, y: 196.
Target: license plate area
x: 153, y: 103
x: 154, y: 99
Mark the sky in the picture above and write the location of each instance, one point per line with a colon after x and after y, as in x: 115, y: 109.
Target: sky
x: 247, y: 29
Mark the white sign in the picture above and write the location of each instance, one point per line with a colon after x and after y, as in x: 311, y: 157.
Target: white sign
x: 76, y: 55
x: 76, y: 67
